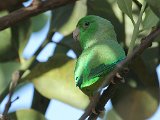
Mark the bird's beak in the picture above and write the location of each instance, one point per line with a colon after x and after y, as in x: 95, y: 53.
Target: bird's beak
x: 76, y: 34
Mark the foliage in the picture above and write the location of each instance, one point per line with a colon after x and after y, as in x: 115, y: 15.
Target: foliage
x: 54, y: 79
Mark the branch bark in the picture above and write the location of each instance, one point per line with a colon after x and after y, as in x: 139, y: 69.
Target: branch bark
x: 107, y: 94
x: 34, y: 9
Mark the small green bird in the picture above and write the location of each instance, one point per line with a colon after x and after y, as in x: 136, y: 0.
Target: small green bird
x: 101, y: 52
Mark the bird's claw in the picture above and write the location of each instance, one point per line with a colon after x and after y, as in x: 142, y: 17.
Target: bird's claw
x: 118, y: 77
x: 94, y: 111
x: 100, y: 112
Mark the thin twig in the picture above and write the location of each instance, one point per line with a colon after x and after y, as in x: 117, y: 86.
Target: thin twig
x: 15, y: 78
x: 107, y: 94
x: 25, y: 13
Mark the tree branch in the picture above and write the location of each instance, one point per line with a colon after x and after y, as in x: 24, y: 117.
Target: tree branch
x: 34, y: 9
x: 107, y: 94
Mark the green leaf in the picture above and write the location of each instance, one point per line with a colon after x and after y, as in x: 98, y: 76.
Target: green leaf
x: 7, y: 50
x: 154, y: 4
x: 39, y: 21
x: 133, y: 104
x: 150, y: 19
x: 26, y: 115
x: 112, y: 115
x: 14, y: 40
x: 66, y: 18
x: 145, y: 74
x: 20, y: 36
x: 55, y: 80
x: 126, y: 7
x: 6, y: 70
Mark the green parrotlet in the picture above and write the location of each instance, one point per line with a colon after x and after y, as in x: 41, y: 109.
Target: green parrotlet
x: 101, y: 52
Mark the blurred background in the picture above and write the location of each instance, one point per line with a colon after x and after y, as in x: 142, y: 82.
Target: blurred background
x: 48, y: 91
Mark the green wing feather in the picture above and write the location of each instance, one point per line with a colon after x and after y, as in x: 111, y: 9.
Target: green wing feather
x: 102, y: 69
x: 96, y: 61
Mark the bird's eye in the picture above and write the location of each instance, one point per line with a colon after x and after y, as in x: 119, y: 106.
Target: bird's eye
x: 86, y: 24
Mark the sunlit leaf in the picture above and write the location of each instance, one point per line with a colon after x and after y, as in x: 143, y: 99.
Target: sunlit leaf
x: 55, y: 80
x: 26, y: 115
x: 112, y: 115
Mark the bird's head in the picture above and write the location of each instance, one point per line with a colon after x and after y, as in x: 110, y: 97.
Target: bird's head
x: 92, y: 29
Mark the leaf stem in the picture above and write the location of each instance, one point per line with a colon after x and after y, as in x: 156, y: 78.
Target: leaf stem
x: 132, y: 21
x: 136, y: 30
